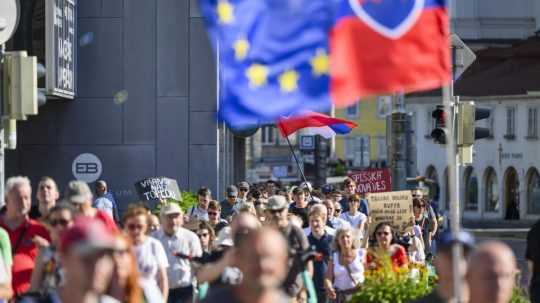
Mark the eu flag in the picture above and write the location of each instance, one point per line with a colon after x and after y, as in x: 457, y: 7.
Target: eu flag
x: 273, y: 57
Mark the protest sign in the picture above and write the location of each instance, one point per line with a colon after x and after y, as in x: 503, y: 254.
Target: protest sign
x: 155, y: 189
x: 372, y: 180
x: 392, y: 207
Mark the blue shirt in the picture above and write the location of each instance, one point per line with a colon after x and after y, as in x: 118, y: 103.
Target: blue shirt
x: 323, y: 246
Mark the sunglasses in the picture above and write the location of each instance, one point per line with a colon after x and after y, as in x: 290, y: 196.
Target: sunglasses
x: 212, y: 213
x: 383, y: 233
x: 203, y: 235
x: 134, y: 226
x: 243, y: 189
x: 62, y: 222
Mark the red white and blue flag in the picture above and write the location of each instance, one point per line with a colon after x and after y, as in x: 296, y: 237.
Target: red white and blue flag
x: 388, y: 46
x: 315, y: 124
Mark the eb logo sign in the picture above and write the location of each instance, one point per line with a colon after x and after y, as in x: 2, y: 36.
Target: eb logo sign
x: 86, y: 167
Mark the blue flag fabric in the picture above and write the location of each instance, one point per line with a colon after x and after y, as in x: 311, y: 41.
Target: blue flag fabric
x: 272, y: 56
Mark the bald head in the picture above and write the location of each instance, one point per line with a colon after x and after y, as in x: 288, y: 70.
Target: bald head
x: 491, y: 273
x: 262, y: 257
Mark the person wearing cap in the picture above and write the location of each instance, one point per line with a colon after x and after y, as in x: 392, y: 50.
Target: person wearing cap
x: 277, y: 210
x: 22, y: 232
x: 85, y: 251
x: 152, y: 260
x: 444, y: 291
x: 178, y: 242
x: 229, y: 203
x: 243, y: 189
x: 78, y: 194
x: 299, y: 206
x: 199, y: 212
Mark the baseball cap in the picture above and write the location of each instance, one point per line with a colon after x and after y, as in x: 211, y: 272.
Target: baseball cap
x: 77, y: 192
x: 327, y: 189
x: 87, y: 235
x: 243, y: 185
x: 170, y: 208
x: 446, y: 240
x: 232, y: 191
x: 224, y: 237
x: 306, y: 186
x: 276, y: 202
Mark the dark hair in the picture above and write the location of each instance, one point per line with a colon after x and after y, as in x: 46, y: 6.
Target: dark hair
x: 207, y: 226
x: 61, y: 207
x: 381, y: 225
x: 348, y: 181
x: 204, y: 191
x: 255, y: 194
x: 418, y: 202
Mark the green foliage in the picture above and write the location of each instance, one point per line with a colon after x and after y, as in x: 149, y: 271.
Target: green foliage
x: 340, y: 169
x: 388, y: 285
x: 518, y: 296
x: 189, y: 199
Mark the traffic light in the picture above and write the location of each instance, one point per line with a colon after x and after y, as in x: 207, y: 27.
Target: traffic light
x: 467, y: 131
x: 20, y: 92
x: 441, y: 131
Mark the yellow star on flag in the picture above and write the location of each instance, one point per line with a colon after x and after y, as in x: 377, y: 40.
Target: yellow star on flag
x: 241, y: 47
x: 257, y: 75
x: 319, y: 63
x: 225, y: 12
x: 288, y: 81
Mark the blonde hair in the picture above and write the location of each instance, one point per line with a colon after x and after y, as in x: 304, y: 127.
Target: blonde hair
x: 341, y: 231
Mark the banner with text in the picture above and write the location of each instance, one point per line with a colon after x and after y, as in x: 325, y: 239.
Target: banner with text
x: 372, y: 180
x: 392, y: 207
x: 155, y: 189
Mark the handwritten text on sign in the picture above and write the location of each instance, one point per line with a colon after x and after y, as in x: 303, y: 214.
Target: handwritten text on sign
x: 392, y: 207
x: 372, y: 180
x: 158, y: 188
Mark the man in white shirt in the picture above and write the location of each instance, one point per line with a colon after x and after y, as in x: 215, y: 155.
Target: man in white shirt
x: 179, y: 244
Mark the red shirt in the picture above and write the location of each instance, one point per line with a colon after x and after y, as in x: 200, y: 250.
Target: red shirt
x: 26, y: 253
x: 106, y: 220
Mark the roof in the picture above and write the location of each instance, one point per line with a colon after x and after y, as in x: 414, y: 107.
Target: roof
x: 504, y: 71
x: 499, y: 71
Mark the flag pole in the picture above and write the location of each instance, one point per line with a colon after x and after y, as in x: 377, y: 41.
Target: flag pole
x: 298, y: 165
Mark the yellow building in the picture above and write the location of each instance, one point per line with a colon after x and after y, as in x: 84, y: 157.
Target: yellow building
x: 365, y: 145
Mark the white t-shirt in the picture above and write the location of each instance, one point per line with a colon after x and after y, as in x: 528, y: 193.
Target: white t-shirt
x: 150, y: 257
x: 355, y: 220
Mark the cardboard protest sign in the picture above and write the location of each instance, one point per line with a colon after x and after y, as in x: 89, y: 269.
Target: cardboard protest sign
x: 154, y: 189
x: 372, y: 180
x: 392, y: 207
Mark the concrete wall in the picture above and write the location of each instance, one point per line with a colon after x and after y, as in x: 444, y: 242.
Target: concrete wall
x: 158, y: 55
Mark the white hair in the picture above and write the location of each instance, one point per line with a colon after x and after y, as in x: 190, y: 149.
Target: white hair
x: 17, y: 181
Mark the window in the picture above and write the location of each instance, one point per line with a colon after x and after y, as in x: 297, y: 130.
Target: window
x: 382, y: 148
x: 491, y: 191
x: 532, y: 123
x: 268, y: 135
x: 533, y: 192
x: 384, y: 106
x: 352, y: 111
x: 471, y: 189
x: 510, y: 123
x: 357, y: 150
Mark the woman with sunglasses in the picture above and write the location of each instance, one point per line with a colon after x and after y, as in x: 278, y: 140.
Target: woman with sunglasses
x: 345, y: 273
x: 206, y: 235
x: 151, y: 258
x: 423, y: 221
x: 46, y: 275
x: 386, y: 246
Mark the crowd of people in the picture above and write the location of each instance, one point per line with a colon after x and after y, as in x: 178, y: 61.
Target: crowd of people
x: 262, y: 243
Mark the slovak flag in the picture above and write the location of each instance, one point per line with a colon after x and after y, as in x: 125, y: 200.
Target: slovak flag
x: 382, y: 46
x: 315, y: 124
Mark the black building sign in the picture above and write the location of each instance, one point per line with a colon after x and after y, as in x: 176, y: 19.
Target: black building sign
x: 60, y: 46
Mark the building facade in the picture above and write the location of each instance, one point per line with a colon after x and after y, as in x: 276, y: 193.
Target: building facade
x: 145, y: 104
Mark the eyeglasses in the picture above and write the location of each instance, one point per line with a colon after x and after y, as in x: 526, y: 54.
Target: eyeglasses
x: 203, y: 235
x: 212, y: 213
x: 135, y: 226
x: 62, y: 222
x: 383, y: 233
x: 243, y: 189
